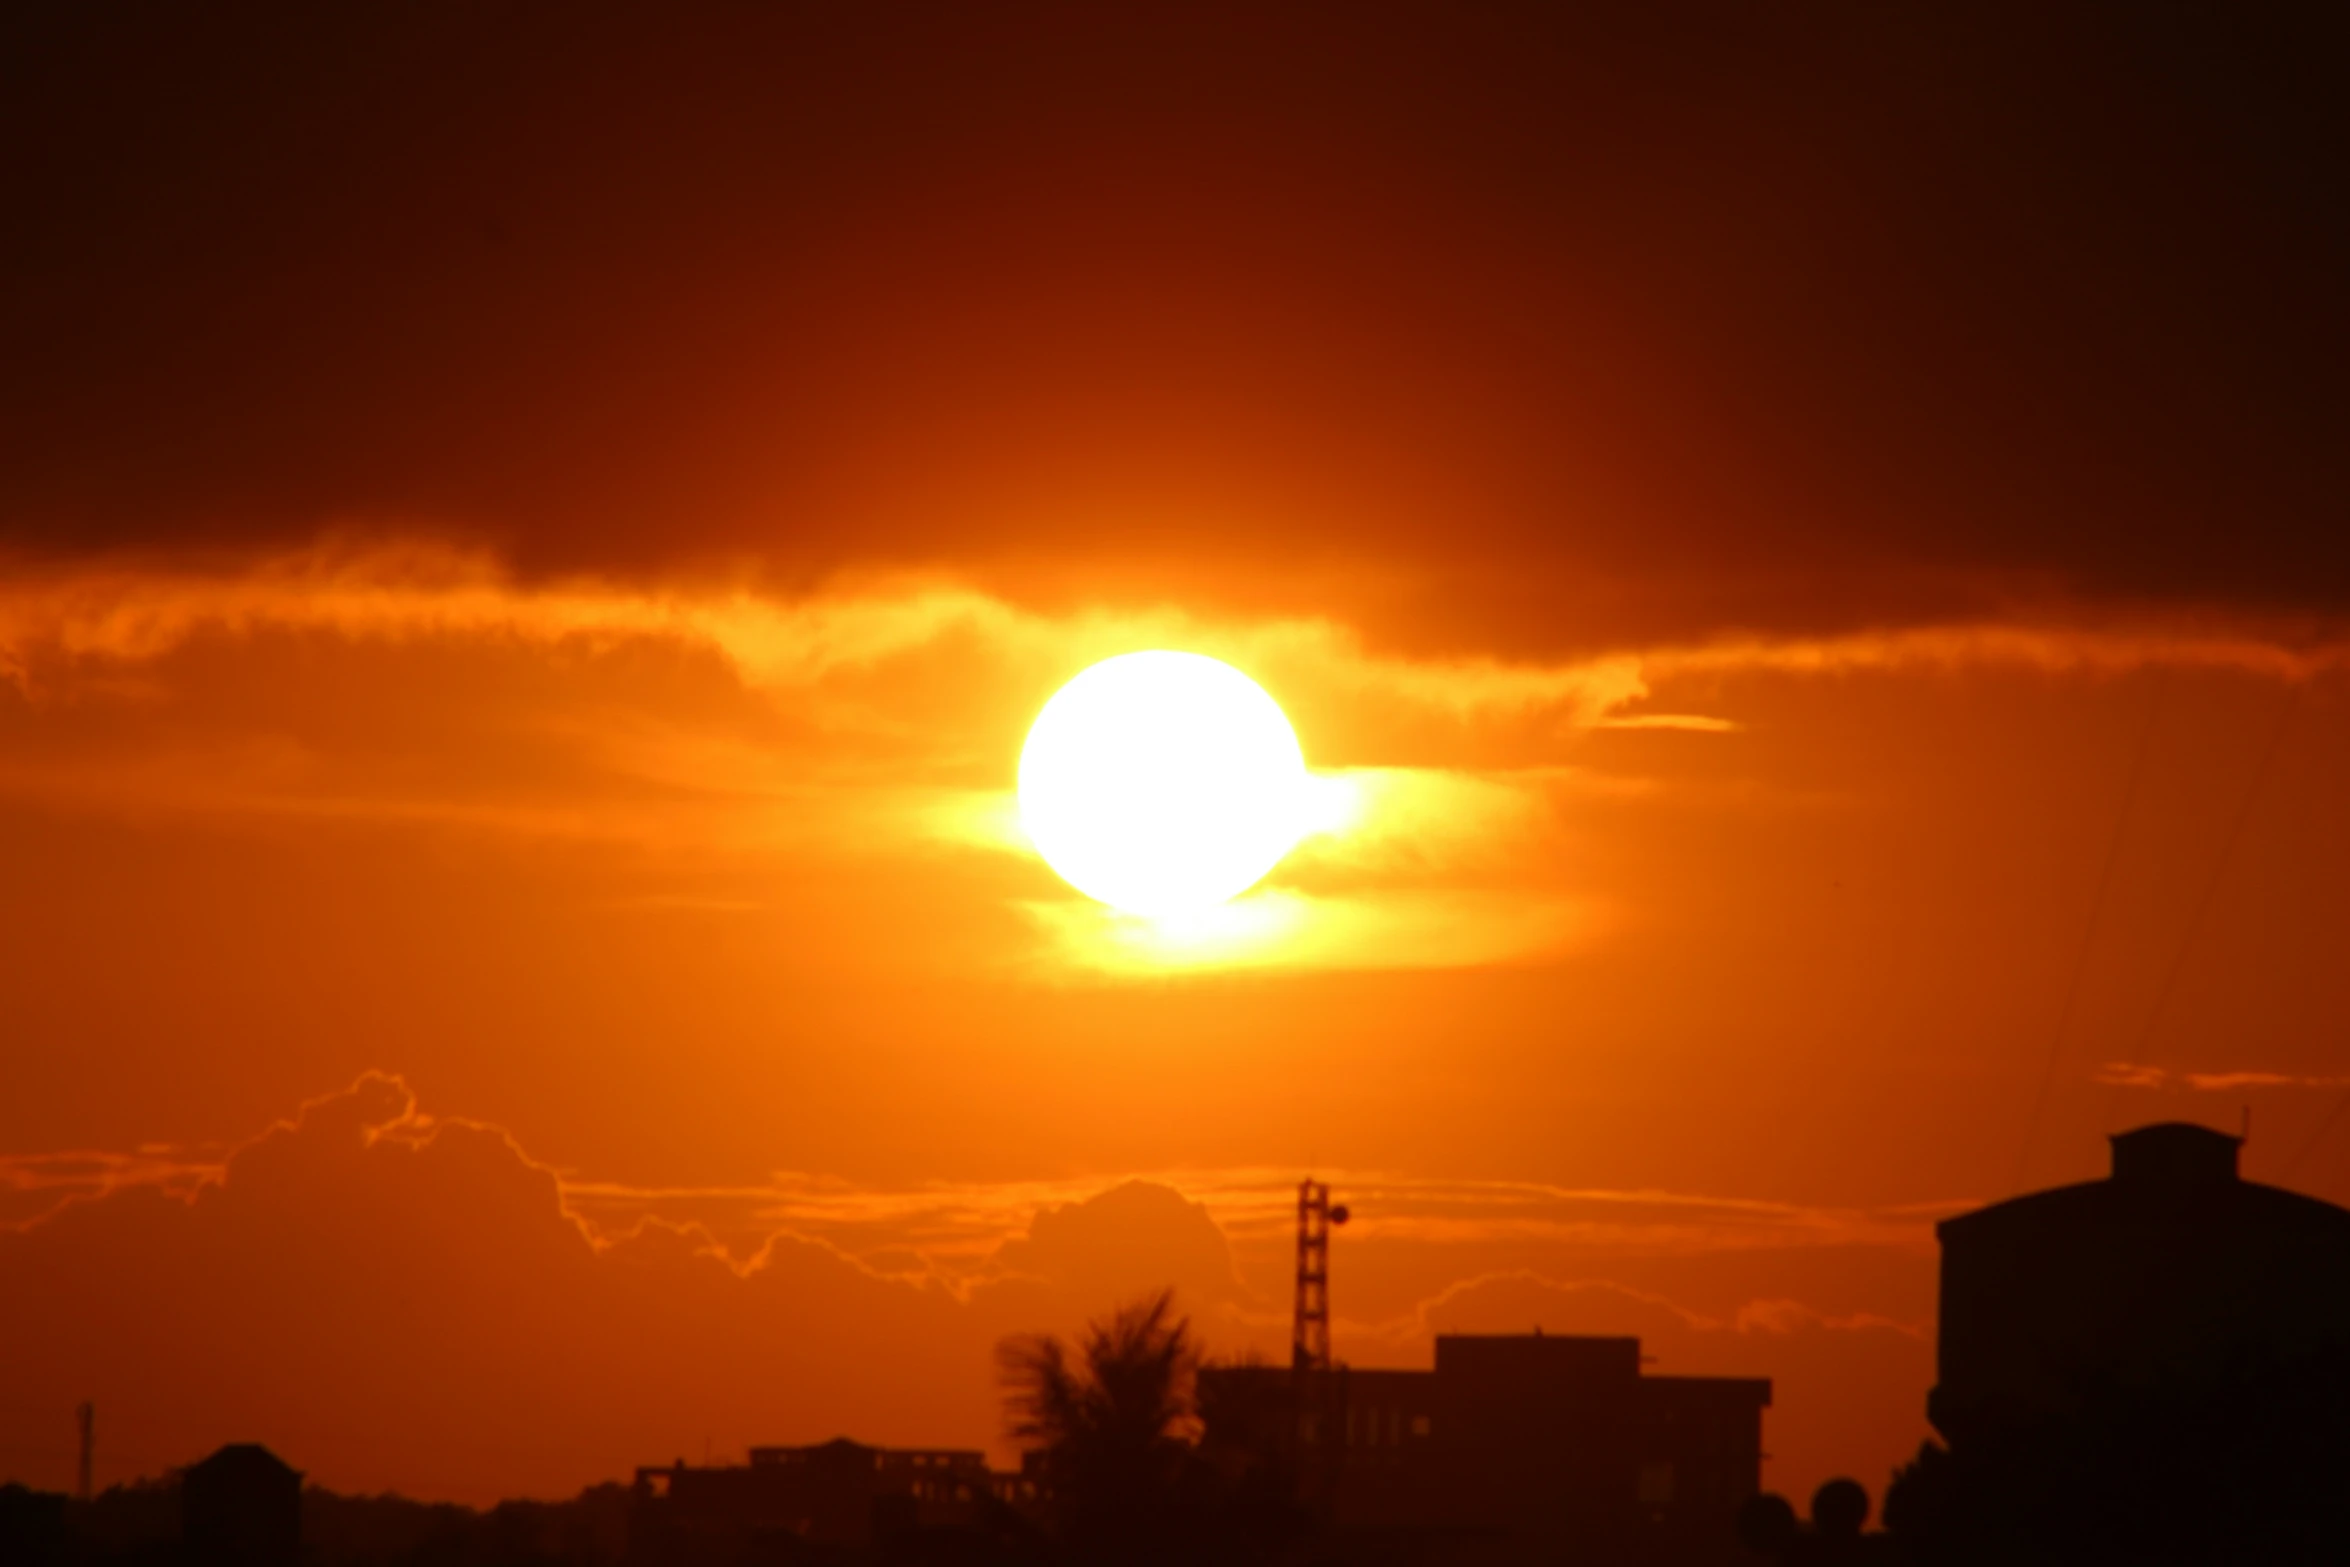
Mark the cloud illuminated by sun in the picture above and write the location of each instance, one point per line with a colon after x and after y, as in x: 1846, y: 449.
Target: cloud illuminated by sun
x: 878, y: 719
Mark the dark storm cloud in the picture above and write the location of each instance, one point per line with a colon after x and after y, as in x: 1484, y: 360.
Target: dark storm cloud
x: 1648, y: 323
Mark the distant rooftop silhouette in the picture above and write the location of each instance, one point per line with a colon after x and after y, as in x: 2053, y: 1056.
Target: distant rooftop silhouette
x: 242, y: 1507
x: 2176, y: 1151
x: 840, y: 1494
x: 2173, y: 1258
x: 1516, y: 1447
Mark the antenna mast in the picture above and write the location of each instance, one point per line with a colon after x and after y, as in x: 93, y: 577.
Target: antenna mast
x: 1310, y: 1337
x: 87, y: 1415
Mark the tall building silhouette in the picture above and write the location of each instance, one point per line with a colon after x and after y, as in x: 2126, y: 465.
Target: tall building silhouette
x: 2172, y: 1270
x: 2153, y: 1368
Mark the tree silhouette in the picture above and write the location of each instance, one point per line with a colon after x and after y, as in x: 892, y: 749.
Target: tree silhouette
x: 1110, y: 1425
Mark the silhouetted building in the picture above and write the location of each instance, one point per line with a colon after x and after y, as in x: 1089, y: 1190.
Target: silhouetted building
x: 790, y: 1501
x: 2151, y: 1368
x: 1514, y: 1448
x: 2174, y: 1270
x: 32, y: 1526
x: 242, y: 1507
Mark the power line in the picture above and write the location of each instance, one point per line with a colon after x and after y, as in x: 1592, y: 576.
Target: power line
x: 2309, y: 1144
x: 2219, y: 870
x: 2072, y: 987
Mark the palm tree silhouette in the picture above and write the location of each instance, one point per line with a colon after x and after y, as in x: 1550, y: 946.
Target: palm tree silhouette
x: 1111, y: 1426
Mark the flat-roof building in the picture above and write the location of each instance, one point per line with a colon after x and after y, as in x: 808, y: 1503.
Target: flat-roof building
x: 1517, y: 1447
x: 835, y: 1494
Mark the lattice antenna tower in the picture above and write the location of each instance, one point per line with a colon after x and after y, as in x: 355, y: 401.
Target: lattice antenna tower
x: 1310, y: 1338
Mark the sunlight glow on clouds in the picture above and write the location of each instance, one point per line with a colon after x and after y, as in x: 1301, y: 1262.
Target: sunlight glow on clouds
x: 802, y: 1282
x: 1278, y: 928
x: 958, y: 1226
x: 2131, y: 1074
x: 898, y: 703
x: 874, y: 721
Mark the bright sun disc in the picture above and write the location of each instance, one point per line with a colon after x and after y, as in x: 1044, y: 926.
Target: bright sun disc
x: 1162, y: 782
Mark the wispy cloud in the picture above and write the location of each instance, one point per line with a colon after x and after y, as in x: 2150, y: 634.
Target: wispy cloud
x: 1694, y: 723
x: 879, y: 707
x: 959, y: 1225
x: 2132, y: 1074
x: 422, y: 590
x: 876, y: 717
x: 32, y: 1186
x: 2057, y: 648
x: 1460, y: 1302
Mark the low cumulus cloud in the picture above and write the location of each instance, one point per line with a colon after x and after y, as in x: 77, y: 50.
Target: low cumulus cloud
x: 501, y: 1326
x: 396, y: 1299
x: 969, y: 1232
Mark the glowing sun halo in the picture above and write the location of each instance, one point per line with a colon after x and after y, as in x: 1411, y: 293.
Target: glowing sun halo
x: 1161, y: 783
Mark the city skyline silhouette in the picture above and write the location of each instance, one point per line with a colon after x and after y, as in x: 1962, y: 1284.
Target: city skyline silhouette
x: 2148, y: 1367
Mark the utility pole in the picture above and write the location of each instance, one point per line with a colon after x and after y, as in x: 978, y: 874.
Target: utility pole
x: 88, y: 1416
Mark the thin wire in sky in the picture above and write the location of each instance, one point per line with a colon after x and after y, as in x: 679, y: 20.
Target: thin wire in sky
x: 2309, y: 1143
x: 2072, y: 987
x: 2219, y: 871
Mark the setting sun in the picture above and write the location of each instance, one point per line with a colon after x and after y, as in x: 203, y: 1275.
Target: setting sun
x: 1161, y: 783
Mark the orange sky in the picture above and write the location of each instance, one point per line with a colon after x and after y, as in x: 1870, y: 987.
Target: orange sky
x: 527, y: 555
